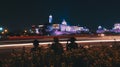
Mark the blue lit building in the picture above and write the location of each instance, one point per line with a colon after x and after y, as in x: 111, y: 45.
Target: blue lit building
x: 116, y: 28
x: 58, y: 29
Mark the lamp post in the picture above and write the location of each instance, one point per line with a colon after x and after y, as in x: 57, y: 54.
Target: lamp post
x: 3, y: 32
x: 6, y: 31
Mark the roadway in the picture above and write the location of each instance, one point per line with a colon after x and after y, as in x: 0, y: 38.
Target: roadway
x: 7, y: 46
x: 80, y: 40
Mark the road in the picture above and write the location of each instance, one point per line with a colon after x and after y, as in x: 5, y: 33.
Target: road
x: 80, y: 40
x: 7, y: 46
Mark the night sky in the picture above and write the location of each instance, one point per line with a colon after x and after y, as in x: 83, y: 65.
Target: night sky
x: 21, y: 14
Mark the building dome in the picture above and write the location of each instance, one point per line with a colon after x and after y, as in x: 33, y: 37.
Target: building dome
x: 64, y: 22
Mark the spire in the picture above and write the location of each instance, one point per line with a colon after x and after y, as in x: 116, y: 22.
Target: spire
x: 50, y: 18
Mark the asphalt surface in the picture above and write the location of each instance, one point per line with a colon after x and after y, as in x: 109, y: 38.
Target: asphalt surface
x: 7, y: 46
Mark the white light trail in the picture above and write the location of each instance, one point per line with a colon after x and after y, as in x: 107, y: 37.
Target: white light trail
x: 45, y: 43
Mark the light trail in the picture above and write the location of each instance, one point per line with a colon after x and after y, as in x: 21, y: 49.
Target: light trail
x: 63, y: 42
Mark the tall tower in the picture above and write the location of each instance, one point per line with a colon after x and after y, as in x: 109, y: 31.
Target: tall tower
x: 50, y: 18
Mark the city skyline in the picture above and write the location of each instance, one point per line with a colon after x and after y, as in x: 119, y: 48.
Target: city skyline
x: 90, y: 13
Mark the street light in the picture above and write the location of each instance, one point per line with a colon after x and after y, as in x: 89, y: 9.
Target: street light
x: 25, y: 31
x: 5, y: 30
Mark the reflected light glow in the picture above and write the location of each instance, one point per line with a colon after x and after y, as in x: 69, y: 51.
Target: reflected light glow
x: 46, y: 43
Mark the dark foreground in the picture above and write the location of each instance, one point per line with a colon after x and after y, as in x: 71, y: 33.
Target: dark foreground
x: 106, y: 55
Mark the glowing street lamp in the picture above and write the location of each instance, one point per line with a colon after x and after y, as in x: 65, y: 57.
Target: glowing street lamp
x: 5, y: 30
x: 25, y: 31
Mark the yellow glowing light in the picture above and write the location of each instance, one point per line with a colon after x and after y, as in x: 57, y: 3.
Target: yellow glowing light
x: 3, y: 32
x: 6, y: 30
x: 25, y: 31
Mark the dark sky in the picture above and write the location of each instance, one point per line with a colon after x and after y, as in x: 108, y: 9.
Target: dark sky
x: 21, y: 14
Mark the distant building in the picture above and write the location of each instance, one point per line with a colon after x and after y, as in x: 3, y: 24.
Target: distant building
x: 56, y: 26
x: 116, y: 28
x: 64, y: 22
x: 57, y: 29
x: 100, y: 30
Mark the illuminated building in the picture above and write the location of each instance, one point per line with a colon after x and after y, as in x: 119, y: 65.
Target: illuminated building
x: 37, y: 31
x: 100, y: 30
x: 99, y: 27
x: 116, y: 28
x: 56, y: 26
x: 64, y: 22
x: 68, y: 28
x: 33, y: 30
x: 57, y: 29
x: 64, y: 27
